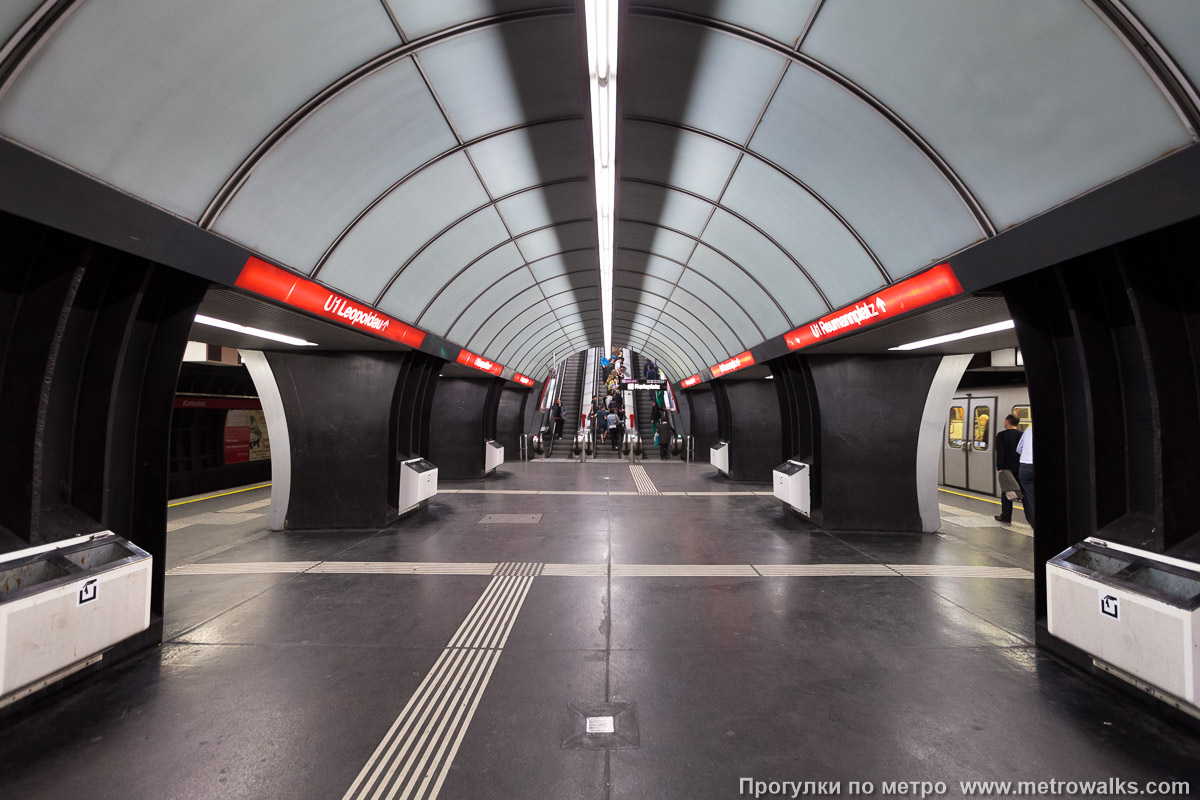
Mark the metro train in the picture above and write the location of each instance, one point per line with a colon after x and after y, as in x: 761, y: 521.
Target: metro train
x: 968, y: 459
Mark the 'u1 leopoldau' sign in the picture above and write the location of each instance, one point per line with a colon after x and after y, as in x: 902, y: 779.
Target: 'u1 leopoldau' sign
x: 931, y: 286
x: 278, y: 284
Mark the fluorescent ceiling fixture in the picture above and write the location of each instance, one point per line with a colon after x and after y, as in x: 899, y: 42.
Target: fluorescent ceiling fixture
x: 246, y: 329
x: 600, y: 17
x: 995, y: 327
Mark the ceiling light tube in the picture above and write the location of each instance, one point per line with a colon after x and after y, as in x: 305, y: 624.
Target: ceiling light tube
x: 600, y: 18
x: 995, y: 327
x: 246, y: 329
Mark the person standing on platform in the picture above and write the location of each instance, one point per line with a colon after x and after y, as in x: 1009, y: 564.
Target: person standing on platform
x: 1008, y: 464
x: 665, y: 432
x: 1025, y: 476
x: 558, y: 418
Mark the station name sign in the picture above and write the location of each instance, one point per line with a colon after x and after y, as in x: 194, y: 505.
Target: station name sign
x: 740, y: 361
x: 524, y: 380
x: 469, y: 359
x: 688, y: 383
x: 270, y: 281
x: 908, y: 295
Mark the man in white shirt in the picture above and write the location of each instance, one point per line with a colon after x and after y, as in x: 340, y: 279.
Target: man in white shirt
x: 1025, y: 475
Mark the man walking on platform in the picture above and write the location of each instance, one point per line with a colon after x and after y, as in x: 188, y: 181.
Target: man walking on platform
x: 1025, y: 476
x: 1008, y: 464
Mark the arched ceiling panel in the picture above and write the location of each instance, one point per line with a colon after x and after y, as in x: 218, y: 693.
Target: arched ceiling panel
x: 551, y: 205
x: 421, y: 17
x: 465, y: 287
x: 727, y: 310
x: 311, y: 185
x: 683, y: 338
x: 539, y: 80
x: 782, y: 21
x: 701, y: 335
x: 651, y: 239
x: 710, y: 81
x: 579, y: 284
x: 542, y: 153
x: 804, y: 228
x: 437, y: 263
x: 734, y: 282
x: 687, y: 306
x: 574, y: 236
x: 672, y: 156
x: 13, y: 14
x: 662, y: 206
x: 563, y: 263
x: 165, y: 100
x: 587, y: 300
x: 1031, y: 103
x: 391, y: 232
x: 484, y: 307
x: 1176, y: 25
x: 518, y: 332
x: 875, y: 177
x: 502, y: 317
x: 638, y: 285
x: 637, y: 297
x: 634, y: 263
x: 632, y: 329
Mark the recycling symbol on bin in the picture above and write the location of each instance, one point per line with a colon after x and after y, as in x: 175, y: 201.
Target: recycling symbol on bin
x: 87, y: 592
x: 1110, y: 606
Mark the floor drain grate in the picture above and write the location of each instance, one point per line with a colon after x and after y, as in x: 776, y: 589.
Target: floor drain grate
x: 510, y: 519
x: 603, y: 726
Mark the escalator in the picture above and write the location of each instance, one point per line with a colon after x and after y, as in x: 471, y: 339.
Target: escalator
x: 571, y: 388
x: 643, y: 402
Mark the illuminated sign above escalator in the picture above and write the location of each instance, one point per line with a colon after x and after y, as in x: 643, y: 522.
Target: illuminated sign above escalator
x: 467, y: 358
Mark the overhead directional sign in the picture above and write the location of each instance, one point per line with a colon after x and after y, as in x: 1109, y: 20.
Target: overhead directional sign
x: 524, y: 380
x: 278, y: 284
x: 930, y: 286
x: 740, y: 361
x: 467, y: 358
x: 688, y: 383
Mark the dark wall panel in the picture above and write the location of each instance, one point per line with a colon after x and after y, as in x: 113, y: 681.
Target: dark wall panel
x: 510, y: 418
x: 702, y: 417
x: 459, y: 426
x: 870, y: 417
x: 339, y: 409
x: 756, y: 440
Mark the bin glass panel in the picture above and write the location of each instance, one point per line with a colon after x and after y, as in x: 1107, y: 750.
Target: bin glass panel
x: 94, y: 557
x: 1182, y: 589
x: 14, y: 579
x: 1102, y: 563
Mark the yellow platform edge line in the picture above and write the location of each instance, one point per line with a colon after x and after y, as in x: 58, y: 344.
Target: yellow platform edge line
x: 222, y: 494
x: 981, y: 499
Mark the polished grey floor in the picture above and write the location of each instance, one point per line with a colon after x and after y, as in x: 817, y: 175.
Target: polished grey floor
x: 752, y: 645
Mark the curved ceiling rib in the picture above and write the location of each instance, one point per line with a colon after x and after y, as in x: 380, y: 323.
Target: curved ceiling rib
x: 986, y: 226
x: 663, y: 310
x: 754, y: 226
x: 551, y: 310
x: 242, y: 172
x: 746, y: 151
x: 710, y: 280
x: 681, y: 343
x: 645, y: 330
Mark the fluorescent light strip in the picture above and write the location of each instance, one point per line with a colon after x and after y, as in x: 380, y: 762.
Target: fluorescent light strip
x: 246, y: 329
x: 600, y: 17
x: 995, y: 327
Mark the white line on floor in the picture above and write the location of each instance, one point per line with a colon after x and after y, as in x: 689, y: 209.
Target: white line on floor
x: 416, y: 753
x: 528, y: 569
x: 644, y: 484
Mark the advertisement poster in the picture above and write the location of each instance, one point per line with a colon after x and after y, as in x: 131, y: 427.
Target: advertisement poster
x: 246, y: 436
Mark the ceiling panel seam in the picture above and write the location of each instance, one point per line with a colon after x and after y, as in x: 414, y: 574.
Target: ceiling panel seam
x: 691, y: 338
x: 697, y: 241
x: 808, y: 24
x: 759, y: 157
x: 487, y: 191
x: 665, y: 344
x: 465, y: 216
x: 387, y: 9
x: 667, y: 301
x: 545, y: 299
x: 222, y: 198
x: 684, y: 340
x: 964, y: 192
x: 534, y: 341
x: 550, y: 344
x: 29, y: 38
x: 1154, y: 59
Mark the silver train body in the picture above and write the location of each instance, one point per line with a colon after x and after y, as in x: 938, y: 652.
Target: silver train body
x: 968, y: 459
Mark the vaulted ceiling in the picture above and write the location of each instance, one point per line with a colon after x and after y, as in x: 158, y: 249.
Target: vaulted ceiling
x: 433, y: 159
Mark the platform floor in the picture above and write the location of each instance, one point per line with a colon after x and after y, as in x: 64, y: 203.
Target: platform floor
x: 438, y: 657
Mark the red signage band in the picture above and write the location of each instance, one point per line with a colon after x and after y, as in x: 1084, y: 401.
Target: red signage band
x: 278, y: 284
x: 688, y: 383
x: 524, y: 380
x: 467, y: 358
x: 740, y: 361
x: 192, y: 401
x: 930, y: 286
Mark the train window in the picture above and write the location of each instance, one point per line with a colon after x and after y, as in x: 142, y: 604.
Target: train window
x: 956, y: 426
x: 1022, y: 413
x: 982, y: 420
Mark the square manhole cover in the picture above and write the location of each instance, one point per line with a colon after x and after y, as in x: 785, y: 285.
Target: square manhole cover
x: 510, y: 519
x: 601, y: 726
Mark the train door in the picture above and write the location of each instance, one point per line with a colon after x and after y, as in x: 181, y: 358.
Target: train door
x: 981, y: 461
x: 954, y: 452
